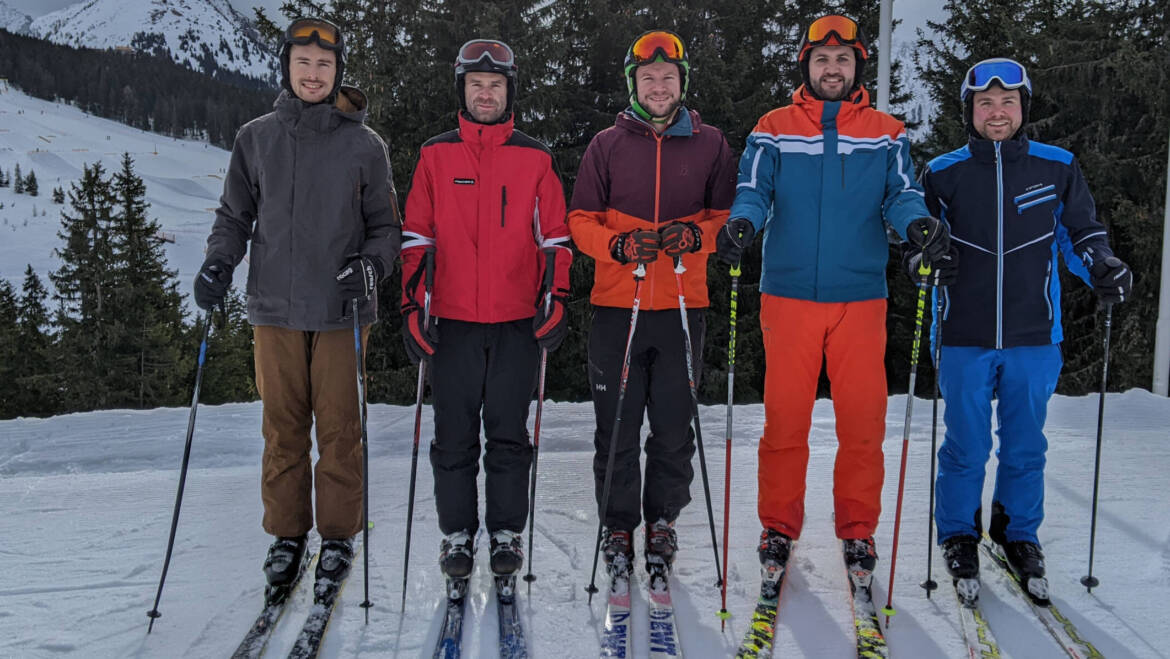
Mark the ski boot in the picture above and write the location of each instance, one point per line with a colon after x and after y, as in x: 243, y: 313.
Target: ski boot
x: 332, y: 568
x: 774, y: 550
x: 961, y: 555
x: 860, y: 559
x: 661, y: 546
x: 1027, y: 561
x: 457, y: 555
x: 282, y: 566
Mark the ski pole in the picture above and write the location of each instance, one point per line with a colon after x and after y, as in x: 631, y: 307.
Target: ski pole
x: 679, y: 269
x: 1089, y: 581
x: 154, y: 614
x: 930, y: 584
x: 428, y: 266
x: 735, y: 272
x: 549, y: 273
x: 924, y: 272
x: 362, y: 412
x: 639, y: 276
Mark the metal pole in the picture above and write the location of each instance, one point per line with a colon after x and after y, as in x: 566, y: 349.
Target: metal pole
x: 1162, y: 331
x: 885, y: 50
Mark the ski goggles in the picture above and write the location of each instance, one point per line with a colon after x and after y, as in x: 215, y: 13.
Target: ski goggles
x: 304, y: 31
x: 475, y: 50
x: 651, y: 45
x: 1008, y: 73
x: 833, y: 30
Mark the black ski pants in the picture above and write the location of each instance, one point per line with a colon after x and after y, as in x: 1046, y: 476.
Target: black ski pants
x: 657, y: 387
x: 482, y: 371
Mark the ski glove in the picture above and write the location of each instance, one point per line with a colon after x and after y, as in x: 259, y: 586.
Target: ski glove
x: 640, y: 246
x: 930, y: 236
x: 212, y: 282
x: 359, y: 277
x: 421, y: 342
x: 550, y: 328
x: 734, y: 238
x: 943, y: 272
x: 680, y: 238
x: 1112, y: 280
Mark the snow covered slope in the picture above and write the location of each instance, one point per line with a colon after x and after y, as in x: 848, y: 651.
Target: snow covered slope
x: 200, y: 34
x: 87, y: 501
x: 13, y: 20
x: 183, y: 181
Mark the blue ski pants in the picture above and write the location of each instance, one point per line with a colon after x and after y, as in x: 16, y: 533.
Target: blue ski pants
x: 1022, y: 379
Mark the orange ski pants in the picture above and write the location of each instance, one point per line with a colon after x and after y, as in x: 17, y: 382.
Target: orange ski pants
x: 851, y: 339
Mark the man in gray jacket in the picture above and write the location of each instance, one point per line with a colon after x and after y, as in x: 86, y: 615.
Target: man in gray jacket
x: 310, y: 185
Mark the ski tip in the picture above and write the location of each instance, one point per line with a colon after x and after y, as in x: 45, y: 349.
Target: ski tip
x: 723, y: 614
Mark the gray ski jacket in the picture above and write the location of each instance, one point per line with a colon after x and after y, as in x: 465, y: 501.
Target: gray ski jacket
x: 309, y: 185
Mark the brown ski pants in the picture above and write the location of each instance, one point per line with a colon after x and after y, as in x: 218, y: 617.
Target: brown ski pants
x: 304, y: 376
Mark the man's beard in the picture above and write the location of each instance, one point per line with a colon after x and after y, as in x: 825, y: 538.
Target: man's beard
x: 669, y: 110
x: 846, y: 88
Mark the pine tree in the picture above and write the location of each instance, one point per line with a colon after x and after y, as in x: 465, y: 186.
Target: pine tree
x: 145, y: 328
x: 30, y: 183
x: 58, y: 195
x: 84, y: 290
x: 18, y: 187
x: 3, y: 178
x: 9, y: 349
x: 229, y: 373
x: 37, y: 381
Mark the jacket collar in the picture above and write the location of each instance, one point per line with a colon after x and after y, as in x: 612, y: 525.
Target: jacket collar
x: 474, y: 132
x: 686, y: 123
x: 829, y: 113
x: 984, y: 149
x: 350, y: 105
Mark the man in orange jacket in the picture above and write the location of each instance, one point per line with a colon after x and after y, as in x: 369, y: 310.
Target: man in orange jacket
x: 654, y: 187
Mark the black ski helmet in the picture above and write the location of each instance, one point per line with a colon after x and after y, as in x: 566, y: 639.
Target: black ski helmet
x: 487, y: 56
x: 833, y: 30
x: 325, y: 34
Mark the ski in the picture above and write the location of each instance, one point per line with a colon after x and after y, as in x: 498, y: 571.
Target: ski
x: 512, y: 641
x: 616, y: 640
x: 275, y: 601
x: 871, y: 644
x: 326, y: 592
x: 449, y: 645
x: 981, y: 643
x: 664, y: 641
x: 761, y: 633
x: 1061, y: 628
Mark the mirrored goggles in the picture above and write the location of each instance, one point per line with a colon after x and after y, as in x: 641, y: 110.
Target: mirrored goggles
x: 304, y: 31
x: 475, y: 50
x: 834, y: 30
x: 1009, y: 73
x: 648, y: 47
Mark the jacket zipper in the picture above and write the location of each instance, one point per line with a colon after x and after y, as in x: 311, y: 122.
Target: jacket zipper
x: 999, y: 249
x: 657, y: 197
x: 503, y: 203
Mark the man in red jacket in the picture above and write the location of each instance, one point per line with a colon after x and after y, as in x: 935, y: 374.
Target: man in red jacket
x: 653, y: 188
x: 487, y: 200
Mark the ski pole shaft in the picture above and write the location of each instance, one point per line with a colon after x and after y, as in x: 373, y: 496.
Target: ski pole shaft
x: 919, y: 312
x: 549, y: 273
x: 1089, y: 581
x: 930, y: 583
x: 679, y: 269
x: 734, y: 305
x: 154, y: 613
x: 360, y: 370
x: 428, y: 266
x: 639, y: 276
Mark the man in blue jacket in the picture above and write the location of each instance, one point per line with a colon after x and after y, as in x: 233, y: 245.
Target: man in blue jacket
x: 1012, y: 205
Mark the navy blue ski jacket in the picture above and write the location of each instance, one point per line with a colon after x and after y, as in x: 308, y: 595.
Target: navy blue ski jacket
x: 1011, y: 207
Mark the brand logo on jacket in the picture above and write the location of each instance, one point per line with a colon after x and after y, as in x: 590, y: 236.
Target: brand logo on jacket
x: 464, y: 181
x: 599, y: 386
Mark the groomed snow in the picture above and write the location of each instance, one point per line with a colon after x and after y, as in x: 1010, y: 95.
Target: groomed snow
x: 88, y: 501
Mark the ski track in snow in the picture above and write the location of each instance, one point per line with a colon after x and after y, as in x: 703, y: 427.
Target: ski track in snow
x: 88, y: 501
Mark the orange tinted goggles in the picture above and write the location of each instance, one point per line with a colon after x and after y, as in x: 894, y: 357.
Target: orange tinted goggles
x: 647, y: 46
x: 307, y: 30
x: 823, y: 27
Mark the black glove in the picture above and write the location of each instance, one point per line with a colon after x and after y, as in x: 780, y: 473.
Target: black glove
x: 930, y: 236
x: 551, y: 327
x: 680, y: 238
x: 639, y: 246
x: 212, y: 282
x: 359, y: 277
x: 733, y: 239
x: 1112, y: 280
x: 943, y: 272
x: 421, y: 342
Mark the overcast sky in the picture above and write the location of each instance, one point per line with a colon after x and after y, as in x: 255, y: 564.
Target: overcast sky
x: 914, y: 13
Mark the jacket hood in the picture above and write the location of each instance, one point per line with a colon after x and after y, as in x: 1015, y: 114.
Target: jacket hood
x: 351, y: 104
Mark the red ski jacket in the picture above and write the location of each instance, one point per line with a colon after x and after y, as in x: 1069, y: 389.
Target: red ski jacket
x: 632, y: 178
x: 488, y: 199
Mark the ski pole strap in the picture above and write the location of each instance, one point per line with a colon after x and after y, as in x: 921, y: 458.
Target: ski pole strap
x: 427, y: 269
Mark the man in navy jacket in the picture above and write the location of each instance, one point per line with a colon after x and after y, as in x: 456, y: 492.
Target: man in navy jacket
x: 1012, y: 205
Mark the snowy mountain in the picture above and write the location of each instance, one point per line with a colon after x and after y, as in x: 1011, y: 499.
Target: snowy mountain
x: 88, y: 501
x: 13, y: 20
x: 183, y: 181
x: 204, y: 35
